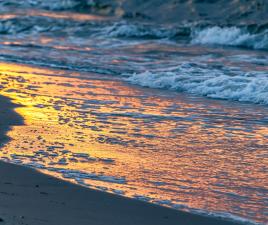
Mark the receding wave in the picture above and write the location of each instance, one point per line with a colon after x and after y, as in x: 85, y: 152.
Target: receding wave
x: 245, y: 87
x: 226, y: 216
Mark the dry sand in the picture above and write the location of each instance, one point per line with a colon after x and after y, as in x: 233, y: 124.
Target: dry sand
x: 29, y: 197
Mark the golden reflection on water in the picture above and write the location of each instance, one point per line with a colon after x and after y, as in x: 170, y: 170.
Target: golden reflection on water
x: 201, y: 153
x: 56, y: 15
x: 67, y: 15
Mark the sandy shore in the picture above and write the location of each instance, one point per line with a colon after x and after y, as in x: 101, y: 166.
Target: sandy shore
x: 29, y: 197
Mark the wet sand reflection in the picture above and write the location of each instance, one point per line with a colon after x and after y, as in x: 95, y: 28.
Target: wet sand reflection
x: 171, y: 149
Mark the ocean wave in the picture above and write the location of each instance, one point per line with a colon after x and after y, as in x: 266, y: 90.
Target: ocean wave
x: 231, y: 36
x: 40, y: 24
x: 50, y: 4
x: 62, y: 5
x: 132, y: 30
x: 20, y: 25
x: 245, y: 87
x: 210, y: 35
x: 189, y: 33
x: 196, y: 32
x: 138, y: 30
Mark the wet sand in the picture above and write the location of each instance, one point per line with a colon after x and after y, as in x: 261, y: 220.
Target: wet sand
x: 8, y: 118
x: 29, y: 197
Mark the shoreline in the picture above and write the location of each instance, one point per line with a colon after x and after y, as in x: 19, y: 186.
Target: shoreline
x: 30, y: 197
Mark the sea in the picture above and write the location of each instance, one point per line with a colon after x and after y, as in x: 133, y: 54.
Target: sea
x: 175, y: 114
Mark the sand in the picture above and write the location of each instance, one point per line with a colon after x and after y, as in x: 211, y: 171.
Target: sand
x: 29, y: 197
x: 8, y: 118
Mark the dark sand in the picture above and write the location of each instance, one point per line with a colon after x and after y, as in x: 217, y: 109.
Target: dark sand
x: 29, y: 197
x: 8, y: 118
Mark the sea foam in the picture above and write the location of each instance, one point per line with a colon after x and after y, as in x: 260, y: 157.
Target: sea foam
x: 245, y: 87
x: 230, y: 36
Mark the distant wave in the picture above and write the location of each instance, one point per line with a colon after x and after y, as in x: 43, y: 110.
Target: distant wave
x: 40, y: 24
x: 214, y: 35
x: 22, y: 25
x: 50, y: 4
x: 245, y: 87
x: 231, y: 36
x: 191, y: 33
x: 63, y: 4
x: 136, y: 30
x: 123, y: 29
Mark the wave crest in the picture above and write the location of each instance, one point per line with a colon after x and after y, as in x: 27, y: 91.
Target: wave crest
x: 212, y: 35
x: 231, y: 36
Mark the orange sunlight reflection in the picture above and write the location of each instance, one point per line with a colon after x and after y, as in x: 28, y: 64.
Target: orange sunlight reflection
x: 132, y: 141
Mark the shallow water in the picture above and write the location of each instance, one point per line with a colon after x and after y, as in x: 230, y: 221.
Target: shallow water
x: 182, y: 151
x: 127, y: 108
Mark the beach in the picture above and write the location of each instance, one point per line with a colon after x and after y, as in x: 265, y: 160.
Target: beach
x: 29, y: 197
x: 37, y: 126
x: 143, y: 112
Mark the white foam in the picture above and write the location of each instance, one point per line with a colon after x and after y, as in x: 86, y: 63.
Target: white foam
x: 248, y: 87
x: 210, y: 214
x: 225, y: 216
x: 232, y: 36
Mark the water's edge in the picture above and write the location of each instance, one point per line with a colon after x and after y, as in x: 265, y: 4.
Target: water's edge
x: 12, y: 118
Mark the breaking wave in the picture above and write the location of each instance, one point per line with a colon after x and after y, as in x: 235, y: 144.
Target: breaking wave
x: 231, y: 36
x: 227, y: 36
x: 215, y: 35
x: 245, y: 87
